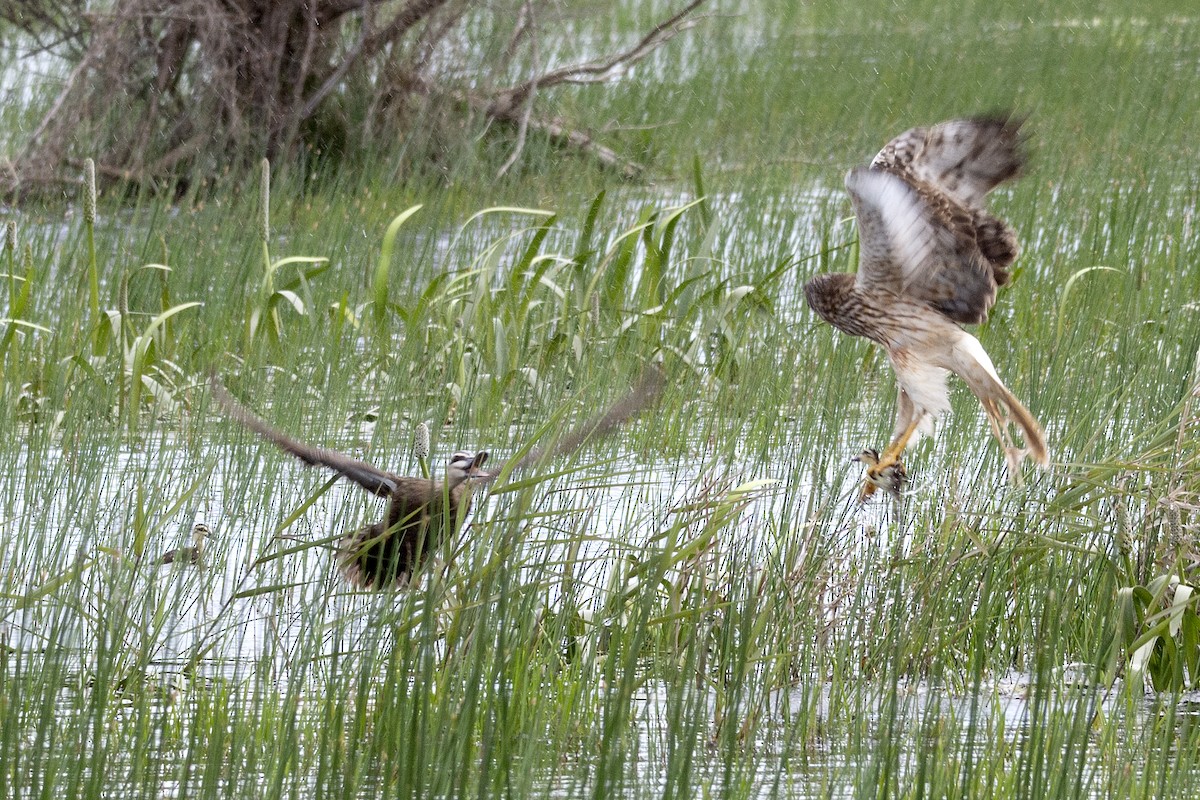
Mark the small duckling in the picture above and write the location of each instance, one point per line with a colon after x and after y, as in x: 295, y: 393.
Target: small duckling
x: 189, y: 555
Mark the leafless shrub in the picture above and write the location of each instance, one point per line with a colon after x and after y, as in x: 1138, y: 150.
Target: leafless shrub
x: 162, y: 88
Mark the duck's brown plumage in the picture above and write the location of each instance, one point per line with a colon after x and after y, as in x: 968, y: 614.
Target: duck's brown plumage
x: 421, y: 512
x: 189, y: 555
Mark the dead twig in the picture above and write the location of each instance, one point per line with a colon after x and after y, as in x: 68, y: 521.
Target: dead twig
x: 601, y: 70
x: 206, y: 85
x: 527, y: 23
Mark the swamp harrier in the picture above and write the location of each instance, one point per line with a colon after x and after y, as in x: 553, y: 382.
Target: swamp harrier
x: 931, y: 257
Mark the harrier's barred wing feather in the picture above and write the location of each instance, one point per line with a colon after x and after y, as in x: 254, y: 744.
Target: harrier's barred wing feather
x: 369, y: 477
x: 892, y: 230
x: 965, y: 158
x: 900, y: 152
x: 913, y: 246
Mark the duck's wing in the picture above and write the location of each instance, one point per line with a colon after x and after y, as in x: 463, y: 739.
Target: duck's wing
x: 367, y: 476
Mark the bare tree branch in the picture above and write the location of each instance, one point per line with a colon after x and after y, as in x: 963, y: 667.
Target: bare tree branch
x: 403, y: 22
x: 339, y: 74
x: 527, y: 22
x: 211, y: 85
x: 596, y: 71
x: 65, y: 19
x: 57, y: 105
x: 560, y: 131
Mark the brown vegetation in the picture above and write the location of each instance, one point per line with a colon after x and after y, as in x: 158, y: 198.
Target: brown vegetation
x: 162, y: 88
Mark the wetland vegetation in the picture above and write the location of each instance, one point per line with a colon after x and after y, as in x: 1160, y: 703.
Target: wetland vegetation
x: 697, y: 605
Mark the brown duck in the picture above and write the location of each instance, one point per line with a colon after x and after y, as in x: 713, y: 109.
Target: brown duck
x: 421, y: 512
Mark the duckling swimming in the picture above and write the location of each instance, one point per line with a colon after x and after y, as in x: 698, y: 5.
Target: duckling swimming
x: 189, y: 555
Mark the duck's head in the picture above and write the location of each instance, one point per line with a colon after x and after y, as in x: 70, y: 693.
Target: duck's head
x: 465, y: 465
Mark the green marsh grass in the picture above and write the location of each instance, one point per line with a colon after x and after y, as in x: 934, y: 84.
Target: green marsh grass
x: 653, y: 617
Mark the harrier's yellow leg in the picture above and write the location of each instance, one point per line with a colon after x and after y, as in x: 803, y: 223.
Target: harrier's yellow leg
x: 892, y: 454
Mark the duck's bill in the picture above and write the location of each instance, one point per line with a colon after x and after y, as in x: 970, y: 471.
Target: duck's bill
x: 476, y: 469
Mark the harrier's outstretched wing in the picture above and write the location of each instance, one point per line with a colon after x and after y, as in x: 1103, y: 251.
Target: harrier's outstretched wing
x: 913, y: 243
x: 964, y: 158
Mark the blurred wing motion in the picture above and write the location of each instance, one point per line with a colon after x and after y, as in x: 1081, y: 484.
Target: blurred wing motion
x: 422, y: 512
x: 369, y: 477
x: 644, y: 393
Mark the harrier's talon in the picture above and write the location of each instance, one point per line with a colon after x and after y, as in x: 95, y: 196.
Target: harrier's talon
x: 883, y: 472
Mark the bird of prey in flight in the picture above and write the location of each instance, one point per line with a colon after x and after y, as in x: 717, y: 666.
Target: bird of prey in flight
x: 931, y: 257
